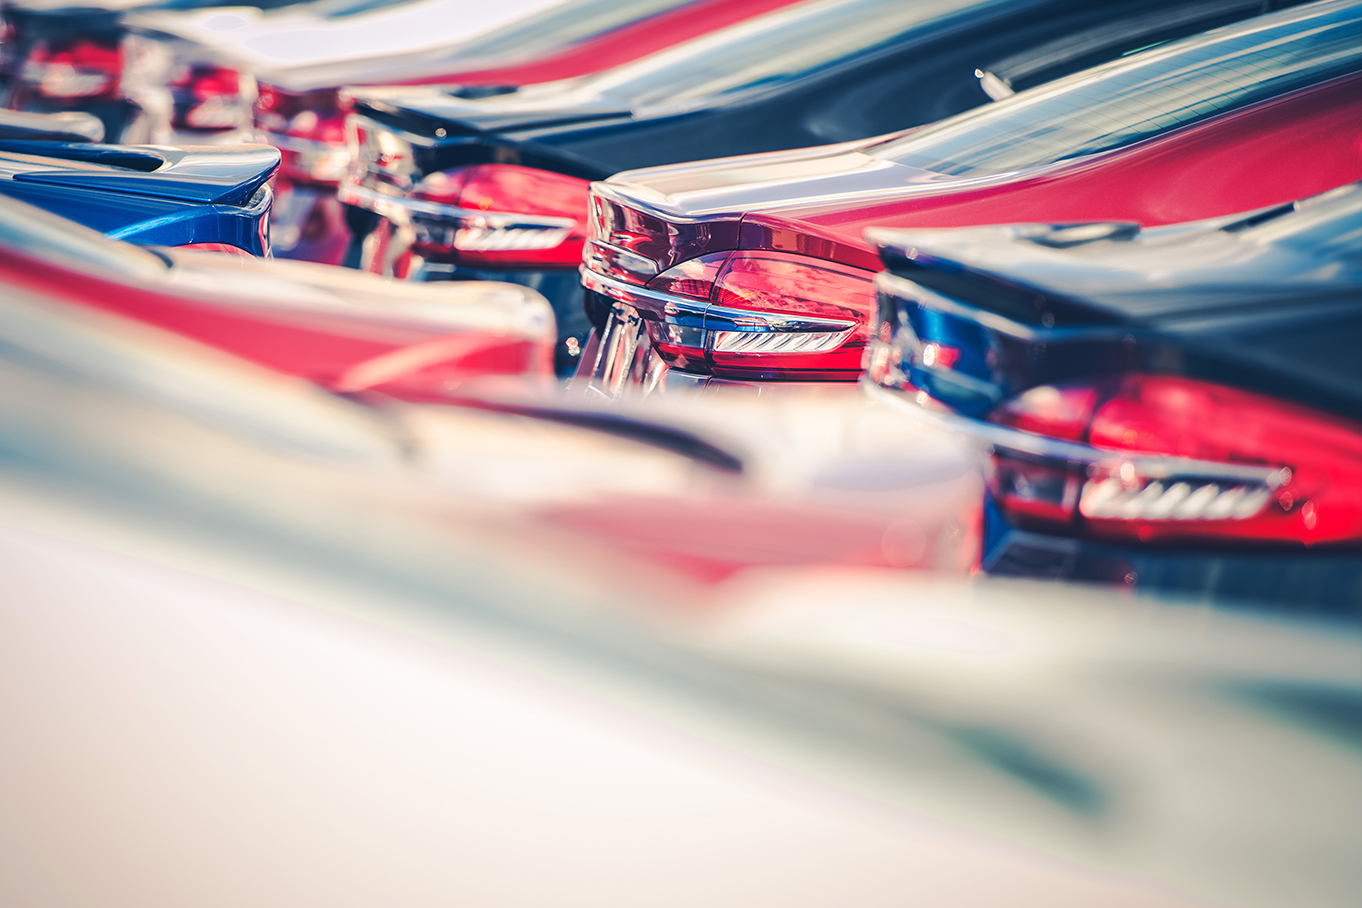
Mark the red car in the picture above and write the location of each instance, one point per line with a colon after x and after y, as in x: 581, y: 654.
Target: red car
x: 756, y: 268
x: 345, y: 331
x: 301, y: 113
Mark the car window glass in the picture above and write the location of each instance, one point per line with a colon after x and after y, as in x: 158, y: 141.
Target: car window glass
x: 1123, y: 102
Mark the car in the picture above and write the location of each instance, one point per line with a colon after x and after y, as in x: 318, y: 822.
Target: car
x: 143, y: 84
x: 299, y: 107
x: 1176, y: 406
x: 756, y: 269
x: 497, y: 186
x: 152, y: 195
x: 343, y: 331
x: 241, y: 613
x: 57, y: 58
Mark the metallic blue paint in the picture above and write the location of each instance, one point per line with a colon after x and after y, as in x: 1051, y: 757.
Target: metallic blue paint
x: 148, y: 195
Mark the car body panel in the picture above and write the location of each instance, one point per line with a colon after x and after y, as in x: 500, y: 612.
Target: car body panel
x: 336, y: 328
x: 1203, y: 161
x: 148, y: 194
x: 1269, y: 302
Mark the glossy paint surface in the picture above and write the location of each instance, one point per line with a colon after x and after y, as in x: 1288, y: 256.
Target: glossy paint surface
x: 342, y: 330
x: 735, y: 92
x: 1191, y: 385
x: 148, y: 195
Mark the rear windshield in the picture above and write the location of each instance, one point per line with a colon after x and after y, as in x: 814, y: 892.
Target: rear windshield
x: 1142, y: 96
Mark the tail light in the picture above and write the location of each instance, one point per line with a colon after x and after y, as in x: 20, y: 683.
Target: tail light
x: 757, y: 314
x: 491, y: 215
x: 763, y: 315
x: 1167, y: 459
x: 309, y: 131
x: 212, y: 97
x: 81, y: 68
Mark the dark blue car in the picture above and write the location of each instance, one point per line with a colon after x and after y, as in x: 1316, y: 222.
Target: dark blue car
x: 151, y: 195
x: 1177, y: 407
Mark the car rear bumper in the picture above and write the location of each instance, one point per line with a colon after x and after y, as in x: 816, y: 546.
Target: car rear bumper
x: 1322, y: 581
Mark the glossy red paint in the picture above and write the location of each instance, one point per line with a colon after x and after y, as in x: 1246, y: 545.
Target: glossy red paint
x: 1319, y: 499
x: 515, y: 189
x: 711, y: 539
x: 1278, y: 151
x: 401, y: 356
x: 613, y: 48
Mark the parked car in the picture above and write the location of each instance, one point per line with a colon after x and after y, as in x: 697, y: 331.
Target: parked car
x: 299, y: 109
x: 241, y: 614
x: 127, y: 62
x: 343, y: 331
x: 1179, y: 406
x: 755, y: 269
x: 151, y: 195
x: 498, y: 186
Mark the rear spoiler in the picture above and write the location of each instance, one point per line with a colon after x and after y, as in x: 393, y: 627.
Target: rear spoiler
x: 209, y: 175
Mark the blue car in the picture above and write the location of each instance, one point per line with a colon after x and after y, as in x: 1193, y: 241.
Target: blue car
x: 151, y: 195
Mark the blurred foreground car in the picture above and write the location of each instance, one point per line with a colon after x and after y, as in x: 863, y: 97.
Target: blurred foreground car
x: 496, y: 188
x: 1178, y: 405
x: 755, y: 269
x: 74, y: 126
x: 241, y: 615
x: 210, y: 197
x: 343, y: 331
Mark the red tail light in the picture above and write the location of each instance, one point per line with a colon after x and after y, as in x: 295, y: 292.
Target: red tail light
x: 634, y: 246
x: 79, y: 69
x: 770, y: 316
x: 500, y: 215
x: 212, y: 97
x: 309, y: 131
x: 1176, y: 459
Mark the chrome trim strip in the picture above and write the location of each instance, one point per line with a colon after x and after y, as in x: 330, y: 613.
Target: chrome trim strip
x: 402, y: 207
x: 1150, y: 466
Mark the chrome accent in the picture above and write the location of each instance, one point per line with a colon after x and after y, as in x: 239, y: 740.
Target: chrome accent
x: 1111, y: 498
x: 1155, y: 467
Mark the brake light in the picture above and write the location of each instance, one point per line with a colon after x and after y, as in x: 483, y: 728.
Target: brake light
x: 491, y: 215
x: 211, y: 97
x: 770, y: 316
x: 635, y: 246
x: 1176, y: 459
x: 82, y: 68
x: 309, y: 131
